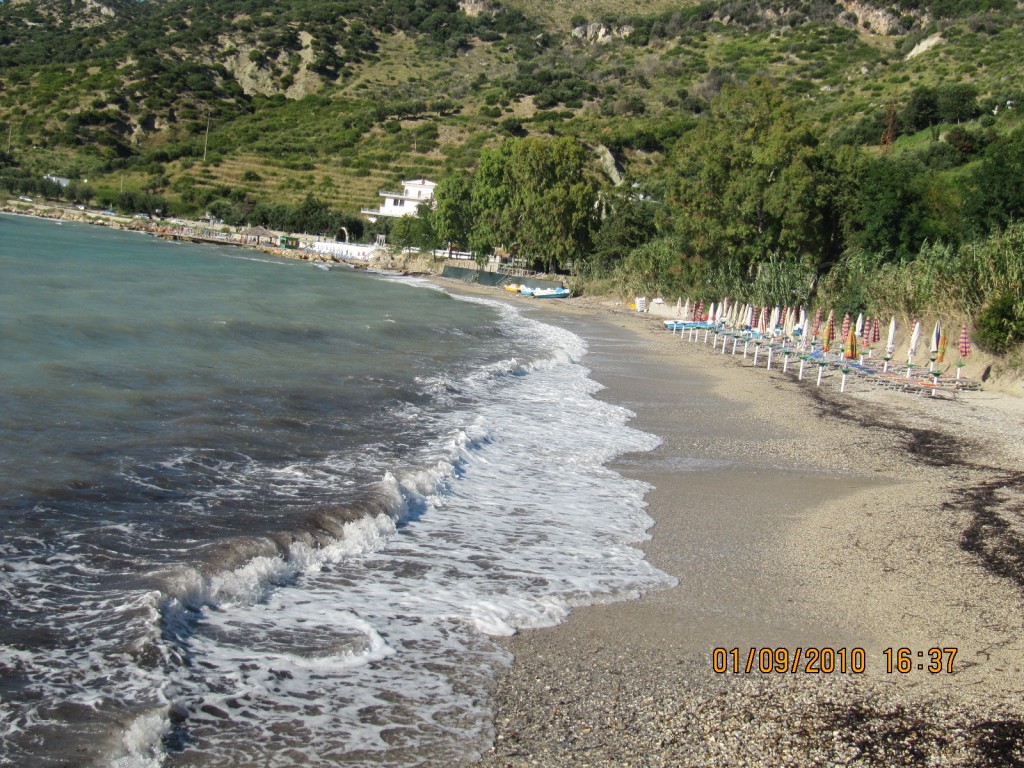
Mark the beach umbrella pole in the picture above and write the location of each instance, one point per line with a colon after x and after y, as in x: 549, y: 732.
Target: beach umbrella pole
x: 757, y: 348
x: 820, y: 369
x: 769, y: 358
x: 735, y: 342
x: 842, y: 384
x: 800, y: 376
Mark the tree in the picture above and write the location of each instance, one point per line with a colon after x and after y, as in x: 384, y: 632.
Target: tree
x: 628, y: 224
x: 452, y: 216
x: 995, y: 190
x: 751, y: 180
x: 535, y: 197
x: 922, y: 110
x: 956, y: 102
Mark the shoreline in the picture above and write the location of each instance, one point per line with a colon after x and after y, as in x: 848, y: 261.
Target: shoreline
x: 793, y: 517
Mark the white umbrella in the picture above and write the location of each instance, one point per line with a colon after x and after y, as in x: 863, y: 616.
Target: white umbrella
x: 774, y: 320
x: 914, y: 338
x: 890, y: 344
x: 679, y: 307
x: 750, y: 315
x: 934, y: 348
x: 860, y: 324
x: 686, y: 310
x: 711, y: 312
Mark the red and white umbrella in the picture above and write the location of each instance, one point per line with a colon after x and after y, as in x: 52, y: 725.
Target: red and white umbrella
x: 846, y: 327
x: 964, y: 347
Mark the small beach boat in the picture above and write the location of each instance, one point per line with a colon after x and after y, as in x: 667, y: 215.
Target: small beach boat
x: 550, y: 293
x: 512, y: 287
x: 525, y: 290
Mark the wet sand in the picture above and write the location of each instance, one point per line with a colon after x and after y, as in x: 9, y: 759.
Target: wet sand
x: 792, y: 517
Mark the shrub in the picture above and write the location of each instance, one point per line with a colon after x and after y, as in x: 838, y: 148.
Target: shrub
x: 1000, y: 325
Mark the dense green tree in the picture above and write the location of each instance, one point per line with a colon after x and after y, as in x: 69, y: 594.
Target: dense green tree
x: 896, y: 205
x: 995, y: 189
x: 921, y: 110
x: 534, y: 197
x: 752, y: 181
x: 956, y: 102
x: 452, y: 214
x: 627, y: 224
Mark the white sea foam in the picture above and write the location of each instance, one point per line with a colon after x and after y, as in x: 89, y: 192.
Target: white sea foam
x: 373, y: 648
x: 380, y: 640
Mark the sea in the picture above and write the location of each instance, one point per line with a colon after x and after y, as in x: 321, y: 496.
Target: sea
x: 256, y: 513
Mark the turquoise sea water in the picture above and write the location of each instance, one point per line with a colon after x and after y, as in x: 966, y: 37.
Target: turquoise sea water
x: 258, y: 513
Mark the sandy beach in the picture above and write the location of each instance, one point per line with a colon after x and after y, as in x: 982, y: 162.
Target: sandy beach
x: 835, y: 526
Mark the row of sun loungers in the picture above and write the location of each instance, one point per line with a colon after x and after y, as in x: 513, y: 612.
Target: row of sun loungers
x: 808, y: 360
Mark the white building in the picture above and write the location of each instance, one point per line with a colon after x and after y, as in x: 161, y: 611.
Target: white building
x: 405, y: 203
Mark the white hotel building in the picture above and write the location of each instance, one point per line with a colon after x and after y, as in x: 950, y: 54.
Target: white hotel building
x: 405, y: 203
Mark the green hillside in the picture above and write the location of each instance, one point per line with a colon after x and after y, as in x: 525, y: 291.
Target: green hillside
x: 870, y: 155
x: 339, y: 99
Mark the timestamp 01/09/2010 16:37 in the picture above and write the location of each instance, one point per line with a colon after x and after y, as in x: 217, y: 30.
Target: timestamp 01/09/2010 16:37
x: 827, y: 661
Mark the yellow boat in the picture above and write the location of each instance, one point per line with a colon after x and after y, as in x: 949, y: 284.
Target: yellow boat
x: 512, y: 287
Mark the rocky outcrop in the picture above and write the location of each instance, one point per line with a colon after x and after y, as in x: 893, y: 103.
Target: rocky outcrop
x: 476, y: 7
x: 601, y: 33
x: 609, y: 164
x: 877, y: 20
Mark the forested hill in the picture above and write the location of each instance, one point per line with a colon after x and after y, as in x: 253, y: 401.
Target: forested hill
x: 342, y: 98
x: 771, y: 149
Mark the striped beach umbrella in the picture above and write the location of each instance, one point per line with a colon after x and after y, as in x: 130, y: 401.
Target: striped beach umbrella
x: 850, y: 347
x: 830, y: 332
x: 698, y: 312
x: 876, y: 334
x: 765, y: 315
x: 941, y: 358
x: 817, y: 324
x: 964, y: 347
x: 846, y: 326
x: 866, y: 332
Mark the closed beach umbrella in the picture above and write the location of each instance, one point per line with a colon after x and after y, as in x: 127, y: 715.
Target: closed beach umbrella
x: 866, y: 332
x: 846, y: 326
x: 936, y: 336
x: 915, y: 336
x: 876, y: 334
x: 830, y: 332
x: 711, y: 312
x: 860, y: 323
x: 686, y: 309
x: 890, y: 345
x: 698, y: 311
x: 679, y: 307
x: 817, y: 324
x: 850, y: 347
x: 964, y: 347
x: 941, y: 357
x: 765, y: 315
